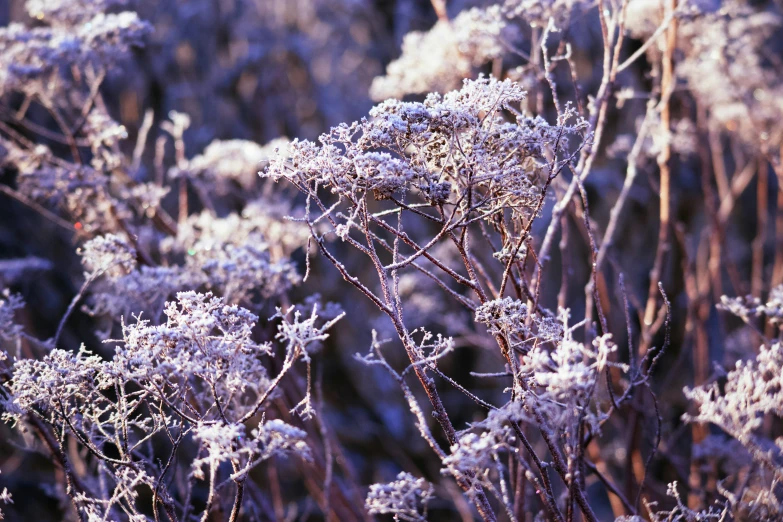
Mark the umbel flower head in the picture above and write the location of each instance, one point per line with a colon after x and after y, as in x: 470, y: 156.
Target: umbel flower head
x: 406, y: 498
x: 443, y: 150
x: 199, y: 375
x: 439, y: 59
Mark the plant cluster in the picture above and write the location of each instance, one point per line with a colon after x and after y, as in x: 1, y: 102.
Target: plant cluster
x: 511, y: 229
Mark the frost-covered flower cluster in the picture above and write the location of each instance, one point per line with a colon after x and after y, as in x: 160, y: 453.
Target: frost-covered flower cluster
x: 476, y: 452
x: 202, y: 339
x: 406, y: 498
x: 5, y: 498
x: 562, y: 381
x: 512, y: 319
x: 200, y: 376
x: 726, y: 69
x: 752, y: 307
x: 303, y: 334
x: 443, y: 149
x: 437, y: 60
x: 742, y: 404
x: 229, y: 443
x: 63, y: 385
x: 169, y: 187
x: 234, y: 256
x: 538, y: 12
x: 103, y: 253
x: 243, y: 257
x: 752, y: 392
x: 237, y: 161
x: 80, y: 34
x: 9, y: 304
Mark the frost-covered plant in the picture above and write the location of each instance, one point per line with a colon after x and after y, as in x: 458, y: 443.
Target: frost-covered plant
x: 103, y: 253
x: 199, y: 376
x: 539, y: 12
x: 726, y: 47
x: 243, y: 257
x: 512, y: 319
x: 5, y: 498
x: 229, y: 443
x: 751, y: 307
x: 237, y: 161
x: 469, y: 166
x: 82, y: 37
x: 561, y: 382
x: 147, y: 411
x: 406, y: 498
x: 234, y: 255
x: 437, y: 60
x: 743, y: 406
x: 451, y: 150
x: 10, y: 330
x: 465, y: 216
x: 682, y: 513
x: 752, y: 391
x: 476, y: 452
x: 75, y: 51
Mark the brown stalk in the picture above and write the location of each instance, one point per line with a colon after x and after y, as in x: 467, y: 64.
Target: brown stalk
x: 667, y: 87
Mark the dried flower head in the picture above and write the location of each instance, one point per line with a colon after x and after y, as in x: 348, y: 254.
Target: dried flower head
x: 406, y: 498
